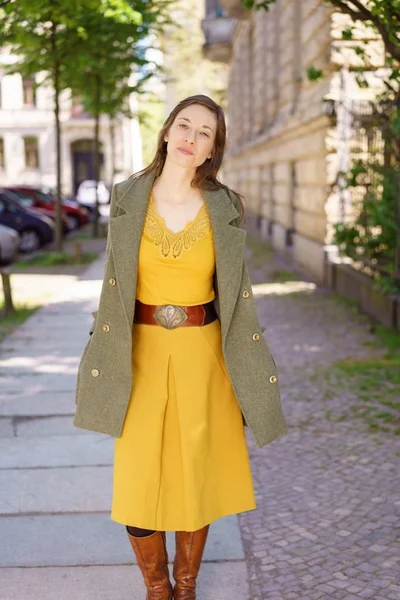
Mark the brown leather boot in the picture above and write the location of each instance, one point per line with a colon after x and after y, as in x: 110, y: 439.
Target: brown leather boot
x: 189, y: 552
x: 152, y: 558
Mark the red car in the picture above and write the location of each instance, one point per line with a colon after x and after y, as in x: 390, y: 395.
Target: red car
x: 77, y: 215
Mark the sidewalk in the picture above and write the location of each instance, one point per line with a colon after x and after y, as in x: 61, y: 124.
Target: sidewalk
x: 55, y: 480
x: 328, y: 494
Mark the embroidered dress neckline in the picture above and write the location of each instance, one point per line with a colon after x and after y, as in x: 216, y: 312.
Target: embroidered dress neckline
x: 164, y: 225
x: 172, y: 244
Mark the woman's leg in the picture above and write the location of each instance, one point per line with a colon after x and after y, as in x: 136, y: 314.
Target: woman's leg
x: 189, y: 552
x: 151, y: 554
x: 138, y: 532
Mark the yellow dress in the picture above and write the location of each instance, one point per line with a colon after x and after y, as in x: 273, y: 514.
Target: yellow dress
x: 182, y: 460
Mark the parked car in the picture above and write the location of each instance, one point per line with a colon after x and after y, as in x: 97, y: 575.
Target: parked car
x: 86, y: 194
x: 9, y: 244
x: 34, y: 228
x: 77, y: 215
x: 28, y: 201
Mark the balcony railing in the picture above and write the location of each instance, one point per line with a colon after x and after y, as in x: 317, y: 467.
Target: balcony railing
x: 218, y: 33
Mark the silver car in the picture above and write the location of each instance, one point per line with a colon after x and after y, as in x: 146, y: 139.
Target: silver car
x: 9, y: 244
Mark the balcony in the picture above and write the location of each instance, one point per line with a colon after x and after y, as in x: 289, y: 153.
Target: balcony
x: 234, y: 9
x: 218, y: 33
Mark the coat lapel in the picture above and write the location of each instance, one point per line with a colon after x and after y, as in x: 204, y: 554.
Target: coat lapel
x: 126, y: 232
x: 229, y: 242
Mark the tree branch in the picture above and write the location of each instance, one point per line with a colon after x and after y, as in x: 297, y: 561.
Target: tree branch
x: 364, y: 15
x: 361, y: 7
x: 344, y: 8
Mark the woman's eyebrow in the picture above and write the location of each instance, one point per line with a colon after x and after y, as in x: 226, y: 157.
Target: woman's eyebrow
x: 189, y: 121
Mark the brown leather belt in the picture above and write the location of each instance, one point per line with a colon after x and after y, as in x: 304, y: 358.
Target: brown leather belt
x: 172, y: 316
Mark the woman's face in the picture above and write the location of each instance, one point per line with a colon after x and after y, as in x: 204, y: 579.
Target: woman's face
x: 191, y: 136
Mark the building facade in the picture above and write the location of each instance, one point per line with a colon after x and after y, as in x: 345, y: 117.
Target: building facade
x: 27, y: 136
x: 283, y: 144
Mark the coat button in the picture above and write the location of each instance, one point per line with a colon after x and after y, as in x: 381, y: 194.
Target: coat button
x: 246, y: 294
x: 272, y: 379
x: 106, y: 328
x: 95, y: 372
x: 112, y: 281
x: 256, y: 337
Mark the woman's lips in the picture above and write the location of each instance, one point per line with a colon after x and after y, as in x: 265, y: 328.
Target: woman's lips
x: 185, y: 151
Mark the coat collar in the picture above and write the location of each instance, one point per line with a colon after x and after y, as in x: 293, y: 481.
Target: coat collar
x: 137, y: 194
x: 126, y: 231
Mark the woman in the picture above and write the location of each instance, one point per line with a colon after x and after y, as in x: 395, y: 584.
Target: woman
x: 177, y: 364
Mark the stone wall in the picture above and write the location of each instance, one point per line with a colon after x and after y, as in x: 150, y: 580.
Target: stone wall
x: 282, y: 138
x: 277, y: 126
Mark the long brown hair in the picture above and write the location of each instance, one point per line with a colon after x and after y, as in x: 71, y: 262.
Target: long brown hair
x: 206, y: 174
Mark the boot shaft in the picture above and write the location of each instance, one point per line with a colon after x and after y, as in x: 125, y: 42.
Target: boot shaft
x: 189, y: 553
x: 152, y: 558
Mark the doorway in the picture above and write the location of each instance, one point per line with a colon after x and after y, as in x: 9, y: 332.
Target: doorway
x: 82, y: 152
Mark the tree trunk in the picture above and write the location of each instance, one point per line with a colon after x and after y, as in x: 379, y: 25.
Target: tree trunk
x: 59, y: 222
x: 97, y: 153
x: 397, y: 253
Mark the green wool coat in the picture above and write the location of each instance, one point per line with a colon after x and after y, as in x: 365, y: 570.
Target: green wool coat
x: 105, y: 376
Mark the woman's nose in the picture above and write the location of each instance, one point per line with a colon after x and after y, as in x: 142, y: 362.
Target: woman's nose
x: 189, y: 138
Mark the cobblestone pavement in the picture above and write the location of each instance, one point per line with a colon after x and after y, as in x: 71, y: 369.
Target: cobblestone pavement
x: 328, y: 497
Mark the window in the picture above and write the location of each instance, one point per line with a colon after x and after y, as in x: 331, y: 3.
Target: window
x: 24, y: 200
x: 6, y: 205
x: 31, y: 153
x: 45, y: 198
x: 2, y: 162
x: 78, y: 108
x: 29, y: 92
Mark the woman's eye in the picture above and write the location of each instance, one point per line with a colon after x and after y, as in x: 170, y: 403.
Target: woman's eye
x: 204, y: 133
x: 182, y: 125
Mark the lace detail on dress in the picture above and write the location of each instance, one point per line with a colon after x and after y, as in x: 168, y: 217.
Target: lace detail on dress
x: 173, y: 244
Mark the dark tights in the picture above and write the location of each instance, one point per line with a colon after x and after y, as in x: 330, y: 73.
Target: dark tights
x: 138, y: 532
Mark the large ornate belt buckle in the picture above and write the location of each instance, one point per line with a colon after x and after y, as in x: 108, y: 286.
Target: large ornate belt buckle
x: 170, y: 316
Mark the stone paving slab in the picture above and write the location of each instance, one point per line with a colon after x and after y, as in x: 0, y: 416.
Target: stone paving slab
x: 45, y: 426
x: 62, y: 490
x: 23, y: 365
x: 55, y: 333
x: 94, y: 540
x: 216, y: 581
x: 56, y: 451
x: 56, y: 340
x: 47, y: 351
x: 40, y: 382
x: 6, y: 428
x: 29, y: 348
x: 31, y: 404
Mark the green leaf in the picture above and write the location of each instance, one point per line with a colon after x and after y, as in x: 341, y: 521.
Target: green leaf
x: 347, y: 33
x: 314, y: 74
